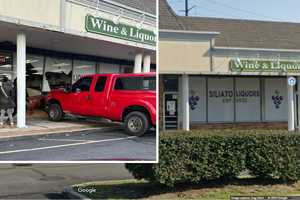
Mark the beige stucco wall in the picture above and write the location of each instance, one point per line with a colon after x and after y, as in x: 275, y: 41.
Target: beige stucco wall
x: 221, y: 64
x: 75, y: 17
x: 184, y: 56
x: 194, y: 57
x: 37, y: 11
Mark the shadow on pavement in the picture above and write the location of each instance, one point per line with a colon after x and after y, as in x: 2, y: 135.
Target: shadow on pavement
x: 56, y: 196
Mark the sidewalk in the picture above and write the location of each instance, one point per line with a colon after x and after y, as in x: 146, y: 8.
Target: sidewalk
x: 42, y: 126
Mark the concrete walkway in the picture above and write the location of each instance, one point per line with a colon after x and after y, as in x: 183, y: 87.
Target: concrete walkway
x: 44, y: 126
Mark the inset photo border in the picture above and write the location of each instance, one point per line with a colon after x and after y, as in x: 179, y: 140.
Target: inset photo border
x: 79, y: 85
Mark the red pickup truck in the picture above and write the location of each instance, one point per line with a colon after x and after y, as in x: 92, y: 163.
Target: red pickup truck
x: 127, y: 98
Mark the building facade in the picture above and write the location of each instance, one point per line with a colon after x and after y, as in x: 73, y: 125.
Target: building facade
x: 47, y: 44
x: 217, y: 71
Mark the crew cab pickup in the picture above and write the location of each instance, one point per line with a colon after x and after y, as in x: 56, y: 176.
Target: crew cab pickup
x: 127, y: 98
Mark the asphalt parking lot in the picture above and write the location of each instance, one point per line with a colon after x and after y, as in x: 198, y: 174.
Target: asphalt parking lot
x: 81, y: 146
x: 47, y: 181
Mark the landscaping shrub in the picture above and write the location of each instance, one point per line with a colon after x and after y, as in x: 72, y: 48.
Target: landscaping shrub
x: 274, y: 156
x: 222, y: 154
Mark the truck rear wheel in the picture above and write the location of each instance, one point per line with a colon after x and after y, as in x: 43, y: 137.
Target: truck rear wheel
x: 55, y: 112
x: 136, y: 123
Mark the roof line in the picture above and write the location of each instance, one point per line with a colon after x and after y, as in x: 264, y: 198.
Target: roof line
x: 190, y: 32
x: 256, y: 49
x: 130, y: 8
x: 180, y: 23
x: 236, y: 19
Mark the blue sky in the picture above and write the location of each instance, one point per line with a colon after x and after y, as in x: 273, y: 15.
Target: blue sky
x: 270, y: 10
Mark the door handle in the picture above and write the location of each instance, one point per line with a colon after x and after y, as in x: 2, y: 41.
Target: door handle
x: 89, y: 97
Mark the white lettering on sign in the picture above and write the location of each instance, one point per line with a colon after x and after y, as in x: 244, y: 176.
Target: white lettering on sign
x: 101, y: 24
x: 264, y: 65
x: 123, y: 31
x: 246, y: 65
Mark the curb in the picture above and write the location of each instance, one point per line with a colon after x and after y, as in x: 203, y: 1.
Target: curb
x: 72, y: 194
x: 57, y: 133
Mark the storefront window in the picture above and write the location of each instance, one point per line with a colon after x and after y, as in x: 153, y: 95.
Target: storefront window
x: 171, y: 84
x: 126, y: 69
x: 197, y: 99
x: 83, y: 67
x: 276, y: 105
x: 106, y: 68
x: 34, y: 72
x: 6, y: 64
x: 247, y: 100
x: 239, y: 99
x: 58, y: 73
x: 220, y: 100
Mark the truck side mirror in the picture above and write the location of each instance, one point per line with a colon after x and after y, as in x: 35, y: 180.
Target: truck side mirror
x: 68, y: 88
x: 78, y: 90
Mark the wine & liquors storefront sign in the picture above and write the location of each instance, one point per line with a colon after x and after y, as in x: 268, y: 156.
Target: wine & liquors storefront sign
x: 122, y: 31
x: 264, y: 66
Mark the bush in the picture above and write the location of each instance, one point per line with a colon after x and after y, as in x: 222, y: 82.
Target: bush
x: 222, y: 154
x: 275, y: 156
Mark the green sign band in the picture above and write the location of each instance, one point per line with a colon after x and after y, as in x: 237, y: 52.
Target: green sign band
x: 264, y: 66
x: 122, y: 31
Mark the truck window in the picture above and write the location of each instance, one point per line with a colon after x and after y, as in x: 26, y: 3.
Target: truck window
x: 83, y: 84
x: 100, y: 85
x: 136, y: 83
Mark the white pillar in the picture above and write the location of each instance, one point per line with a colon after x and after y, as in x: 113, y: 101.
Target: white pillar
x: 21, y: 80
x: 291, y: 111
x: 62, y: 15
x: 138, y: 63
x: 147, y: 63
x: 185, y: 103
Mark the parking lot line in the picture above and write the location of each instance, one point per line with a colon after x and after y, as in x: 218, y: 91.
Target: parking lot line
x: 64, y: 140
x: 66, y: 145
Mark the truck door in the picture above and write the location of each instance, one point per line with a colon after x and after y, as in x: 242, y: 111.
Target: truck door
x: 98, y: 104
x: 81, y: 96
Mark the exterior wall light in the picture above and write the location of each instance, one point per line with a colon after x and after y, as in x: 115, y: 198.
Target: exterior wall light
x: 140, y: 25
x: 117, y: 18
x: 97, y: 8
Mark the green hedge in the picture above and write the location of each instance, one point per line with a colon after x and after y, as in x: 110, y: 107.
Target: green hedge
x: 223, y: 154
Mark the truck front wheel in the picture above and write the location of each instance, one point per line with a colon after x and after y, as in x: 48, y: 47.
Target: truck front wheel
x: 55, y: 112
x: 136, y: 123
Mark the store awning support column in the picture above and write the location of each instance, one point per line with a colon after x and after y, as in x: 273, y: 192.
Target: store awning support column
x: 21, y: 80
x: 147, y: 63
x: 138, y: 63
x: 62, y: 15
x: 185, y: 103
x: 291, y: 111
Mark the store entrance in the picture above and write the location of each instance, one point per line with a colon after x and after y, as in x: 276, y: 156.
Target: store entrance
x: 7, y: 92
x: 171, y: 110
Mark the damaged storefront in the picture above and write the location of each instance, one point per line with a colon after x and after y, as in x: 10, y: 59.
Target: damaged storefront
x: 62, y: 40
